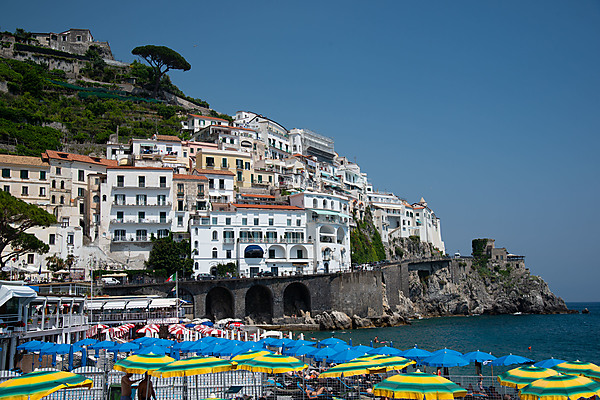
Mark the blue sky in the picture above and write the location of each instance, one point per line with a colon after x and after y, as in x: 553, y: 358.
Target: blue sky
x: 490, y: 110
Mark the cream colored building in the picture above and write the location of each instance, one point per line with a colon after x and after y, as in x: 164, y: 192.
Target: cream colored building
x: 240, y: 164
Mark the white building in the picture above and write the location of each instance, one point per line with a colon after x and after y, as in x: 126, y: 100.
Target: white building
x: 257, y: 237
x: 137, y: 203
x: 309, y: 143
x: 328, y: 224
x: 220, y: 184
x: 274, y: 135
x: 196, y: 122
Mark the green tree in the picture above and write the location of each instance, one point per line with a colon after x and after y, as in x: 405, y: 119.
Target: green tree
x: 161, y: 59
x: 168, y: 257
x: 55, y: 263
x: 16, y: 216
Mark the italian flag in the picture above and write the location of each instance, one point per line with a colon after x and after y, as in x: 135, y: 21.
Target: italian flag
x: 171, y: 278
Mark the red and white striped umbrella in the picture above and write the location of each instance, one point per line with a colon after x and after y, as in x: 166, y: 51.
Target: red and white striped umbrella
x: 179, y: 330
x: 100, y: 326
x: 175, y: 326
x: 152, y: 328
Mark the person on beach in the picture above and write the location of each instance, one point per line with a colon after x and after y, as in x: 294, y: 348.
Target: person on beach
x: 145, y: 390
x: 126, y: 383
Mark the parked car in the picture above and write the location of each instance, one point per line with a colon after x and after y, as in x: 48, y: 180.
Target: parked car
x: 110, y: 281
x: 265, y: 273
x: 204, y: 276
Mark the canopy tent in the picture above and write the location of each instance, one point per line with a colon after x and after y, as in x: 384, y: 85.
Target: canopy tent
x: 8, y: 292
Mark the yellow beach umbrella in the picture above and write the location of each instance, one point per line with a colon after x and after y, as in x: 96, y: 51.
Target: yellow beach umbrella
x: 560, y: 387
x: 418, y: 386
x: 35, y: 385
x: 250, y: 355
x: 193, y: 366
x: 141, y: 363
x: 523, y: 376
x: 272, y: 364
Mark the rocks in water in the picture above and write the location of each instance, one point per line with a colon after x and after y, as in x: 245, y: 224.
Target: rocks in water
x: 336, y: 320
x: 585, y: 311
x: 333, y: 320
x: 359, y: 322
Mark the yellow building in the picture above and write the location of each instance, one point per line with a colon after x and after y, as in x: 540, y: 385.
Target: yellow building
x: 239, y: 163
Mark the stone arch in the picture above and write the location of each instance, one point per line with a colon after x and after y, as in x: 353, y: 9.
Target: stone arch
x: 296, y: 299
x: 341, y: 235
x: 327, y: 234
x: 277, y: 250
x: 219, y: 303
x: 259, y: 304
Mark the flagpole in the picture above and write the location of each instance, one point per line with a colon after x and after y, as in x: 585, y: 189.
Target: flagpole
x: 177, y: 294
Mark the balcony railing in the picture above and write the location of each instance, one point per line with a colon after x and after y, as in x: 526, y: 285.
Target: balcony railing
x: 162, y: 204
x: 160, y: 221
x: 132, y: 238
x: 119, y: 316
x: 275, y: 240
x: 146, y: 187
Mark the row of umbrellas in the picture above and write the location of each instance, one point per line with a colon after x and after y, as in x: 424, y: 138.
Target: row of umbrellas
x: 534, y: 382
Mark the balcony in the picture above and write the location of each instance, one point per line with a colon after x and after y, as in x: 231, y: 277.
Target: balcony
x: 158, y: 221
x: 228, y: 240
x: 121, y: 204
x: 137, y: 187
x: 275, y: 240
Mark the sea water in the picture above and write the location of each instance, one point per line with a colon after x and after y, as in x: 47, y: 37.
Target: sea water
x: 565, y: 336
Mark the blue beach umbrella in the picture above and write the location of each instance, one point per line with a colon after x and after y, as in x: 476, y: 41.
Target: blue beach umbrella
x: 144, y: 339
x: 549, y: 363
x: 298, y: 343
x: 323, y: 354
x: 245, y: 347
x: 163, y: 342
x: 158, y: 350
x: 330, y: 342
x: 85, y: 342
x: 385, y: 351
x: 305, y: 351
x: 105, y: 344
x: 27, y: 345
x: 190, y: 325
x: 510, y: 360
x: 126, y: 347
x: 207, y: 323
x: 447, y: 351
x: 444, y: 359
x: 415, y: 354
x: 180, y: 345
x: 280, y: 342
x: 478, y: 356
x: 361, y: 347
x: 345, y: 356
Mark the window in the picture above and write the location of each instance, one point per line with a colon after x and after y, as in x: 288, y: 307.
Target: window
x: 96, y: 199
x: 271, y: 253
x: 42, y: 192
x: 7, y: 188
x: 299, y: 253
x: 141, y: 235
x: 141, y: 216
x: 141, y: 181
x: 80, y: 192
x: 228, y: 253
x: 240, y: 177
x: 64, y: 223
x: 298, y: 222
x: 169, y: 149
x: 42, y: 175
x: 259, y: 178
x: 30, y: 258
x: 228, y: 221
x: 120, y: 199
x: 62, y: 184
x: 52, y: 239
x: 120, y: 180
x: 214, y: 252
x: 180, y: 205
x: 222, y: 184
x: 180, y: 189
x: 141, y: 199
x: 163, y: 181
x: 53, y: 199
x: 271, y: 222
x: 71, y: 238
x: 210, y: 162
x: 196, y: 266
x: 24, y: 191
x: 53, y: 184
x: 215, y: 220
x: 289, y: 222
x: 215, y: 235
x: 239, y: 164
x: 81, y: 208
x: 270, y: 179
x: 81, y: 175
x: 24, y: 174
x: 120, y: 234
x: 200, y: 189
x: 119, y: 216
x: 62, y: 199
x: 247, y: 165
x: 252, y: 178
x: 161, y: 200
x: 58, y: 170
x: 103, y: 197
x: 244, y: 221
x: 324, y: 203
x: 256, y: 221
x: 205, y: 221
x: 211, y: 183
x: 224, y: 162
x: 180, y: 220
x: 163, y: 217
x: 315, y: 205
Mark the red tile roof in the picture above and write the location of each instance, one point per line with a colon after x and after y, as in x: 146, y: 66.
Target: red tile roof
x: 268, y: 207
x: 168, y: 138
x: 186, y: 176
x: 61, y: 155
x: 258, y: 196
x: 213, y: 172
x: 140, y: 168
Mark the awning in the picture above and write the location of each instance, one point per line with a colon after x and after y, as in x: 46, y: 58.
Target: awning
x: 163, y: 303
x: 137, y: 304
x: 114, y: 305
x: 94, y: 305
x: 7, y: 292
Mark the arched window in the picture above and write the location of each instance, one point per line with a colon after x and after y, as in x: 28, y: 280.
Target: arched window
x: 62, y: 184
x: 196, y: 244
x: 214, y: 252
x: 196, y: 265
x: 315, y: 203
x: 103, y: 197
x: 215, y: 235
x: 324, y: 203
x: 53, y: 199
x: 62, y: 199
x: 53, y: 184
x: 96, y: 199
